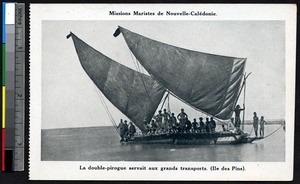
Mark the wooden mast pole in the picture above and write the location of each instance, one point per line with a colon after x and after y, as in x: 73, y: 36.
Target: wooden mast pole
x: 169, y: 111
x: 244, y: 100
x: 167, y: 96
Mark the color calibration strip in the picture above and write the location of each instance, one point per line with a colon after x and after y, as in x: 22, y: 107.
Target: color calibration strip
x: 13, y: 58
x: 8, y: 50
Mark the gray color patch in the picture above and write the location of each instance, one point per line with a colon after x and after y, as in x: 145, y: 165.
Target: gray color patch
x: 10, y: 99
x: 10, y: 61
x: 9, y: 141
x: 10, y: 126
x: 10, y: 80
x: 10, y: 40
x: 10, y: 28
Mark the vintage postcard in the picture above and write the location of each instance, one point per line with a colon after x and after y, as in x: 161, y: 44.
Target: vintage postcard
x: 162, y: 92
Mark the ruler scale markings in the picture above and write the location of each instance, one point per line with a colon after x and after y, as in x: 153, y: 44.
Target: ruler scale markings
x: 19, y: 86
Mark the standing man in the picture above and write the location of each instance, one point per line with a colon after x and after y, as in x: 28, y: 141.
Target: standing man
x: 237, y: 112
x: 165, y: 120
x: 121, y: 129
x: 201, y: 125
x: 173, y: 121
x: 125, y: 130
x: 213, y: 124
x: 182, y: 117
x: 132, y: 130
x: 255, y: 123
x: 207, y: 126
x: 262, y: 127
x: 194, y: 125
x: 158, y: 119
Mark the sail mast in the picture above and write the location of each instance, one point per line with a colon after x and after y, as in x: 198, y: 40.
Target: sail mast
x: 244, y: 100
x: 164, y: 101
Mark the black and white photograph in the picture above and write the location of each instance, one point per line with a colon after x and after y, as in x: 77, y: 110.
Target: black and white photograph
x: 160, y: 91
x: 162, y: 99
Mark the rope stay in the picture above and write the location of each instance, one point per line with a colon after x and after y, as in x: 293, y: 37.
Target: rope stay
x: 268, y: 134
x: 139, y: 69
x: 106, y: 109
x: 273, y: 132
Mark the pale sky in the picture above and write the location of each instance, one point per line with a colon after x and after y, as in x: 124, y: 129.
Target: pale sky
x: 69, y: 97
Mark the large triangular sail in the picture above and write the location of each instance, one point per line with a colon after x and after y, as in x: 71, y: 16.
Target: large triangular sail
x: 209, y: 83
x: 135, y: 94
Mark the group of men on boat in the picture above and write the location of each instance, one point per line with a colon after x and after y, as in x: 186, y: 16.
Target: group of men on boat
x: 166, y: 122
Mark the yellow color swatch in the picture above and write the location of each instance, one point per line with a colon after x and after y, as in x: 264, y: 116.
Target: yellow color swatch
x: 3, y: 106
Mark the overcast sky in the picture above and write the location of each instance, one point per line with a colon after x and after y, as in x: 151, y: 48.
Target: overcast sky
x: 69, y: 97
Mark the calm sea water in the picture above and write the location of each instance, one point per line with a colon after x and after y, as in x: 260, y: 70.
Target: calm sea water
x: 102, y: 144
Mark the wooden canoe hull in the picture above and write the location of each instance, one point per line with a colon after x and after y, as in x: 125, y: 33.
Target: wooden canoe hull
x: 195, y: 138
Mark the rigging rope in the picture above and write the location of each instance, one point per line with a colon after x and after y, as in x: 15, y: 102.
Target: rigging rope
x: 273, y: 132
x: 106, y: 108
x: 137, y: 66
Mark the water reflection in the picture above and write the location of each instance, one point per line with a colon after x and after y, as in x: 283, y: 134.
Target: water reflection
x: 107, y: 147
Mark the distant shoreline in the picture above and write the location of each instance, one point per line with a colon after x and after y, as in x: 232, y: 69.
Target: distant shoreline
x: 270, y: 122
x: 247, y: 122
